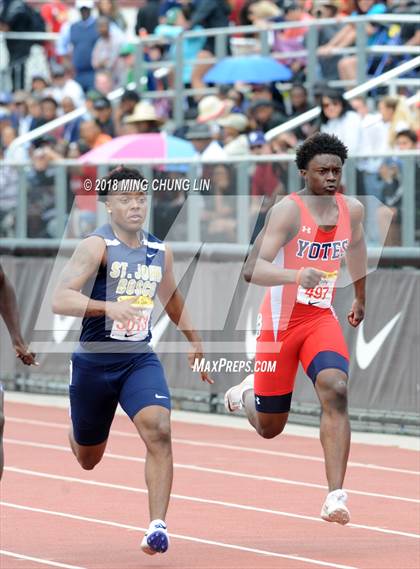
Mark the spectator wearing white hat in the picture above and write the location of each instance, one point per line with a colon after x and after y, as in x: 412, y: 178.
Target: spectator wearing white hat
x: 211, y: 108
x: 144, y: 119
x: 234, y: 138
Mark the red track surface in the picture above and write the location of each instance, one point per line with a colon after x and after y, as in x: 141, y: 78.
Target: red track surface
x: 96, y: 520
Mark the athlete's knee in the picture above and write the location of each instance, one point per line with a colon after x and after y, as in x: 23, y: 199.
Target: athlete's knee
x: 88, y: 462
x: 270, y: 432
x: 333, y: 390
x: 158, y: 433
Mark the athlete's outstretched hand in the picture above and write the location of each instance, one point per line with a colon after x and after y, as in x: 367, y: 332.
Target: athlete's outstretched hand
x: 357, y: 312
x: 196, y: 353
x: 27, y: 357
x: 309, y: 278
x: 123, y: 311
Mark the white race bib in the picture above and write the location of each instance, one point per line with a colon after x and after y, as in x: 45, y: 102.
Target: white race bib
x: 321, y: 295
x: 138, y: 328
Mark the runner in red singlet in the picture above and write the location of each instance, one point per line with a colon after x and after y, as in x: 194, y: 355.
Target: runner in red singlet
x: 298, y: 255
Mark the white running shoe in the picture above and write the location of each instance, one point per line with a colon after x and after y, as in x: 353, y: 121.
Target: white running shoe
x: 156, y: 539
x: 234, y: 395
x: 335, y: 509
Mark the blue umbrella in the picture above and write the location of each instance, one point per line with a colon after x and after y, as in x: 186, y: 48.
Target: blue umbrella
x: 250, y: 69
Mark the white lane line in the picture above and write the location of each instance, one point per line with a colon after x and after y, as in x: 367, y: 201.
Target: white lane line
x: 179, y: 536
x: 200, y: 500
x: 38, y: 560
x: 218, y: 471
x: 226, y: 447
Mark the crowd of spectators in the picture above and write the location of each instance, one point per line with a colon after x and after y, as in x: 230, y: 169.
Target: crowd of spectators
x: 93, y: 56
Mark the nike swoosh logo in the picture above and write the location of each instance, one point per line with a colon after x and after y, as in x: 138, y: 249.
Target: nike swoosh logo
x: 312, y: 303
x: 366, y: 351
x: 161, y: 396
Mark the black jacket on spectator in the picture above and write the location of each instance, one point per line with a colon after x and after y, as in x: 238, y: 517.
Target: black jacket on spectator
x: 148, y: 17
x: 210, y: 14
x: 18, y: 19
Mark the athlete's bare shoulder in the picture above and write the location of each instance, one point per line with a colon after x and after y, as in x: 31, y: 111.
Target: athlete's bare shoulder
x: 285, y: 213
x: 356, y: 209
x: 94, y: 244
x: 84, y: 263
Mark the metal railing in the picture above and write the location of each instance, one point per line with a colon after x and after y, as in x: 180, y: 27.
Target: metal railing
x: 356, y: 92
x: 190, y: 222
x: 288, y: 125
x: 221, y: 35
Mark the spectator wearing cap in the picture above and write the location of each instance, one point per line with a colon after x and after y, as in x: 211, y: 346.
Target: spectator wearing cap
x: 126, y: 63
x: 265, y: 184
x: 39, y: 85
x: 263, y: 115
x: 211, y: 108
x: 81, y: 36
x: 63, y: 85
x: 234, y: 138
x: 103, y: 115
x: 206, y: 147
x: 144, y: 119
x: 91, y: 135
x: 201, y: 137
x: 106, y: 52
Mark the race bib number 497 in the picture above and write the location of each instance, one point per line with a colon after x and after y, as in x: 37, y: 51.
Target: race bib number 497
x: 321, y: 295
x: 136, y: 329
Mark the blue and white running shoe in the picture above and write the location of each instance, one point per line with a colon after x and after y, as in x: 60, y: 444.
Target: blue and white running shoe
x: 156, y: 539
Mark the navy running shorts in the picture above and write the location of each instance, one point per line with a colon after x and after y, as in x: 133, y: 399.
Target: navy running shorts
x: 98, y: 382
